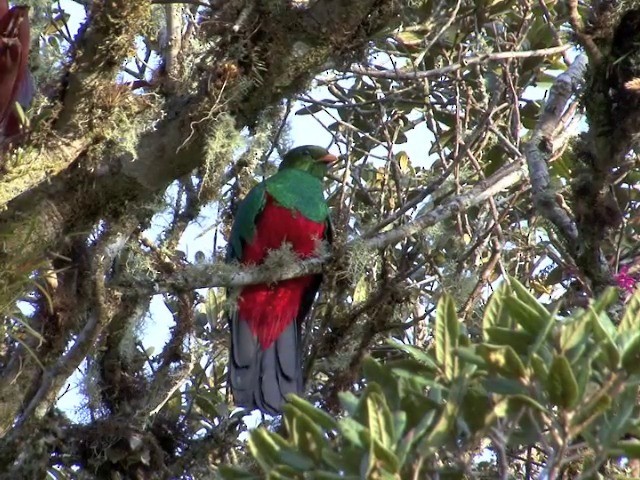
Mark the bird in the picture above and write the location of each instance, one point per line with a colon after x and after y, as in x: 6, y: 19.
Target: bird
x: 265, y: 359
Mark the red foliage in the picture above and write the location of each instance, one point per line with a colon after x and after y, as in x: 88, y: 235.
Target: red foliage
x: 627, y: 278
x: 15, y: 83
x: 269, y: 309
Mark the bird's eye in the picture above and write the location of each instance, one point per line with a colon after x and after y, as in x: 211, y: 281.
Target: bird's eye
x: 306, y: 152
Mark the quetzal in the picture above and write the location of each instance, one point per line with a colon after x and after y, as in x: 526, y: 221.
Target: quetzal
x: 289, y: 207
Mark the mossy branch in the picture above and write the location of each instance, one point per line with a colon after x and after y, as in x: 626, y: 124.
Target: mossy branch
x: 540, y: 148
x: 101, y: 49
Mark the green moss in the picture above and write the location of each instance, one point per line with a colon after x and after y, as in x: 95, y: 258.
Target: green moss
x: 361, y: 259
x: 119, y: 21
x: 222, y: 141
x: 279, y: 259
x: 131, y: 116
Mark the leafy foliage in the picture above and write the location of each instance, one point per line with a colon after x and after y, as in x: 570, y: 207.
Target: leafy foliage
x: 558, y: 387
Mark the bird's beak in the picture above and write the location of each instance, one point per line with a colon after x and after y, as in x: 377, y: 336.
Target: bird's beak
x: 329, y: 159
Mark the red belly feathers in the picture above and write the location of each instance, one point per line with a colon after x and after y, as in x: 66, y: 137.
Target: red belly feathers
x: 269, y: 309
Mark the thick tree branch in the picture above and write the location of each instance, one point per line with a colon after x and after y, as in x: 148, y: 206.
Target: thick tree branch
x: 77, y: 198
x: 540, y: 148
x: 101, y: 49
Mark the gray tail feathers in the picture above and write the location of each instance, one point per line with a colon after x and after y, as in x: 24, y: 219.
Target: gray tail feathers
x: 261, y: 378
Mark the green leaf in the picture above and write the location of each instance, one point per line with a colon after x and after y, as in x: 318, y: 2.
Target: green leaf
x: 606, y: 323
x: 399, y: 424
x: 502, y: 359
x: 540, y: 367
x: 387, y: 459
x: 415, y: 353
x: 562, y: 386
x: 304, y: 433
x: 631, y: 355
x: 476, y: 407
x: 575, y: 354
x: 518, y: 339
x: 608, y: 297
x: 318, y: 416
x: 495, y: 314
x: 541, y: 345
x: 447, y: 332
x: 283, y: 472
x: 504, y: 386
x: 526, y: 316
x: 296, y: 460
x: 415, y: 434
x: 263, y: 448
x: 349, y: 402
x: 206, y: 402
x: 443, y: 430
x: 624, y: 338
x: 379, y: 417
x: 631, y: 319
x: 574, y: 332
x: 335, y: 460
x: 527, y: 297
x: 354, y: 432
x: 583, y: 369
x: 528, y: 431
x: 618, y: 419
x: 603, y: 331
x: 412, y: 374
x: 375, y: 372
x: 468, y: 356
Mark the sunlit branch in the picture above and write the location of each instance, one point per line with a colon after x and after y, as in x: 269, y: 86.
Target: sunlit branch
x: 437, y: 72
x: 541, y: 146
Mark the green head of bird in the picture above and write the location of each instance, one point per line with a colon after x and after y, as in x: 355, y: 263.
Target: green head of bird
x: 310, y: 158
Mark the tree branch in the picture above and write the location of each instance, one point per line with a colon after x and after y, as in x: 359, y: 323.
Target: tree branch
x: 101, y: 49
x: 540, y: 148
x: 72, y: 200
x: 53, y: 376
x: 437, y: 72
x: 224, y: 275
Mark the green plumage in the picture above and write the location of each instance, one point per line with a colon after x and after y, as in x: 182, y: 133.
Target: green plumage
x: 292, y: 187
x: 244, y: 227
x: 301, y: 191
